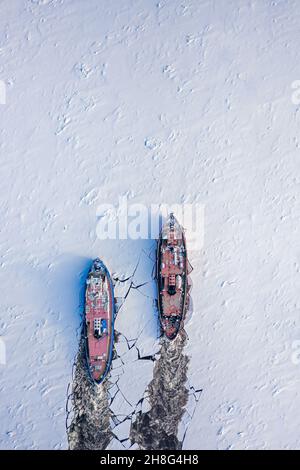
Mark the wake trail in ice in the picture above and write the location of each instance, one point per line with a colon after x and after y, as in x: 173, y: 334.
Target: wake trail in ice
x: 167, y: 396
x: 90, y: 425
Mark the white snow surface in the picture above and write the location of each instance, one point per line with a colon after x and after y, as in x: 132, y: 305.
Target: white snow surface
x: 164, y: 101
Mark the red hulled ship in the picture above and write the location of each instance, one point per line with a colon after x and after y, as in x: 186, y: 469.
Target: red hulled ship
x: 99, y: 321
x: 172, y: 277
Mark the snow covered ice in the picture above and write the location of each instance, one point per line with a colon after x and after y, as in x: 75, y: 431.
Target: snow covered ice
x: 166, y: 101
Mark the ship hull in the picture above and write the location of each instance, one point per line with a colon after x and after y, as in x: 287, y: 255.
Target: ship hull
x: 172, y: 278
x: 99, y: 321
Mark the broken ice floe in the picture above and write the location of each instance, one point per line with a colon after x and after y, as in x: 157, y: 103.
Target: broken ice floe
x: 145, y: 401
